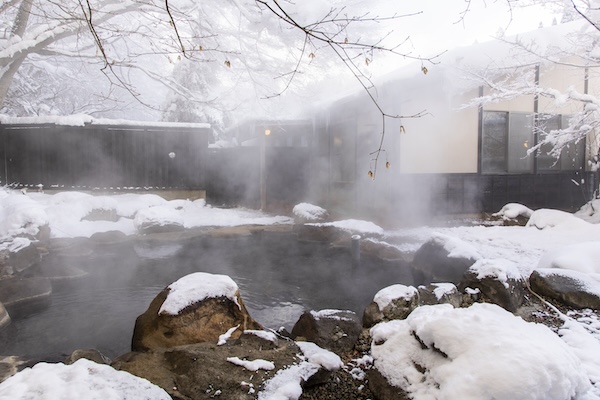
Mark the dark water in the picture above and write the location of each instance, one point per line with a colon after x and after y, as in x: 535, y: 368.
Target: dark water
x: 279, y: 277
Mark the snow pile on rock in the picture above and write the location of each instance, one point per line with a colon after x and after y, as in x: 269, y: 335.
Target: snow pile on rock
x: 83, y: 379
x: 547, y: 218
x: 513, y: 210
x: 309, y: 212
x: 481, y: 352
x: 196, y: 287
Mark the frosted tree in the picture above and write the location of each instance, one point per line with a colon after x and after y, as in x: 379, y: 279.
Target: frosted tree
x: 135, y: 44
x: 579, y: 51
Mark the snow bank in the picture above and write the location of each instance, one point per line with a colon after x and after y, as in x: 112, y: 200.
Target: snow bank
x: 513, y: 210
x: 82, y: 380
x: 309, y: 212
x: 481, y: 352
x: 197, y: 287
x: 388, y: 294
x: 547, y: 218
x: 65, y: 212
x: 582, y: 257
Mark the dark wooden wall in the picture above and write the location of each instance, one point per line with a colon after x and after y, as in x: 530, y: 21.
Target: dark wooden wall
x: 96, y: 156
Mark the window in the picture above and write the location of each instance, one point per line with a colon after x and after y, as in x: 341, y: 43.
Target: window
x: 571, y: 158
x: 506, y: 137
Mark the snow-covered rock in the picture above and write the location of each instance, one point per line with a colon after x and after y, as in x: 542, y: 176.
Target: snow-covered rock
x: 482, y: 352
x: 572, y: 288
x: 334, y: 330
x: 306, y: 212
x: 83, y: 379
x: 499, y: 280
x: 197, y: 308
x: 513, y: 211
x: 443, y: 258
x: 547, y: 218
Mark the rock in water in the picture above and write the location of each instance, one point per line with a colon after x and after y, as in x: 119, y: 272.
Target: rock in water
x: 198, y: 308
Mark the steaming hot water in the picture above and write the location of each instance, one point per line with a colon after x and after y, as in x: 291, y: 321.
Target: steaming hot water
x: 279, y: 278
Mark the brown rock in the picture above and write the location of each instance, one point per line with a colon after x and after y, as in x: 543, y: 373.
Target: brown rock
x: 398, y: 308
x: 334, y: 330
x: 202, y: 371
x: 203, y: 321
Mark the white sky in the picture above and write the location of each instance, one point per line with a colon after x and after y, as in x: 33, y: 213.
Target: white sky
x: 439, y: 25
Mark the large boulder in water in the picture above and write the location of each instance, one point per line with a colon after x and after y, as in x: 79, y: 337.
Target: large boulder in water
x: 199, y: 307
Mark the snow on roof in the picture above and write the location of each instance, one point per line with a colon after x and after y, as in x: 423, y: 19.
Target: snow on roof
x: 83, y: 119
x: 481, y: 352
x: 197, y: 287
x: 582, y: 257
x: 501, y: 269
x: 83, y: 379
x: 398, y: 291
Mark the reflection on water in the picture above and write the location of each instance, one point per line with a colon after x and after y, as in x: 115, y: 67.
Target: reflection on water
x: 279, y: 277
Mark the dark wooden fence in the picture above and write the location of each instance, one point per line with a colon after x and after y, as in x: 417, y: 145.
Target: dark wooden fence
x: 235, y: 177
x: 104, y: 156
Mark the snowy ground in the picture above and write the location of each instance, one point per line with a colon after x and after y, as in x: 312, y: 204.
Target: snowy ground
x: 534, y: 363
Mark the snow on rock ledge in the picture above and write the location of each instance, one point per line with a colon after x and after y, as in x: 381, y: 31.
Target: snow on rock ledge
x: 82, y: 380
x: 481, y: 352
